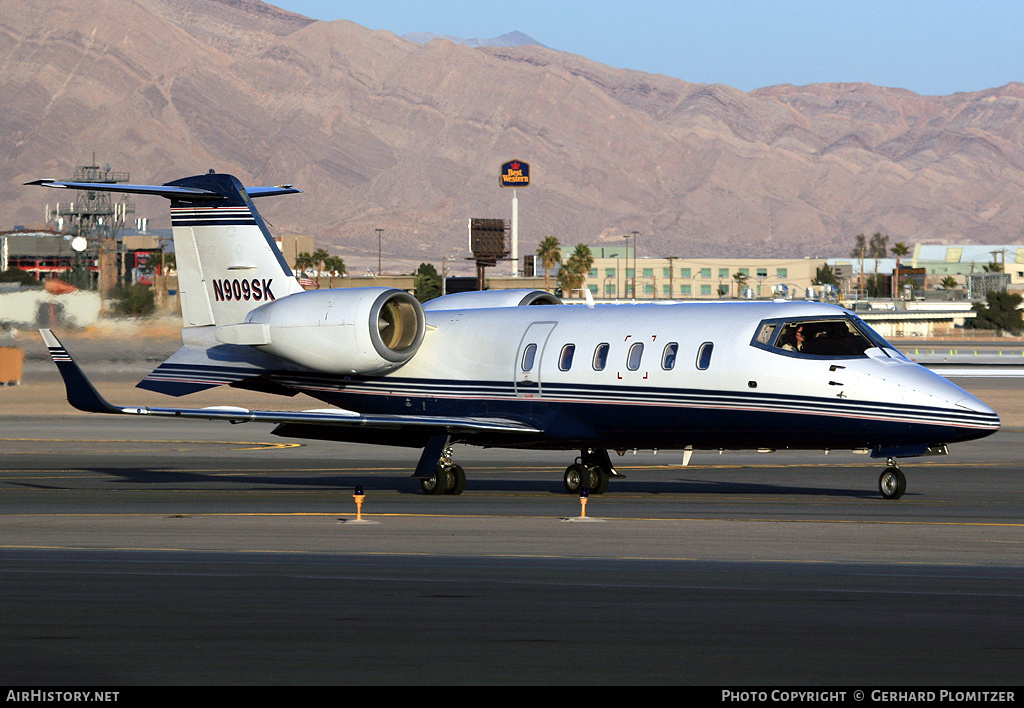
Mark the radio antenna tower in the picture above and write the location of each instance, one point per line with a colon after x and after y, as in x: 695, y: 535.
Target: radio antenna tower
x: 97, y: 217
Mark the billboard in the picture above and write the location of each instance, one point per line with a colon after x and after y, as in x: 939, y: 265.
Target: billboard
x: 515, y: 173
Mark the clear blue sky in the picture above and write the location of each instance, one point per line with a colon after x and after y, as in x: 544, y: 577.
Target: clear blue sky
x: 934, y: 47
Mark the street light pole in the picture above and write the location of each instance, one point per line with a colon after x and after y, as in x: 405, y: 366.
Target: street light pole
x: 380, y: 232
x: 635, y: 234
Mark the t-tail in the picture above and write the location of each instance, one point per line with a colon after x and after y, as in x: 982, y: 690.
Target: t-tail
x: 227, y: 261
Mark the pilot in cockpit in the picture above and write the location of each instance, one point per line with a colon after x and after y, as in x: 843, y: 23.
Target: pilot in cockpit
x: 793, y: 339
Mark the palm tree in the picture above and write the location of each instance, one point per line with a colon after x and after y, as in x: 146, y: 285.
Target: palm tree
x: 584, y: 257
x: 574, y: 272
x: 319, y: 256
x: 335, y: 266
x: 550, y: 255
x: 899, y: 250
x: 303, y: 262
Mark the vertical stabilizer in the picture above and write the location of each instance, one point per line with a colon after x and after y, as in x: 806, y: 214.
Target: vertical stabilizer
x: 227, y: 260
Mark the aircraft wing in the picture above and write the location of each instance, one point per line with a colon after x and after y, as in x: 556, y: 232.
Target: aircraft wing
x: 84, y: 396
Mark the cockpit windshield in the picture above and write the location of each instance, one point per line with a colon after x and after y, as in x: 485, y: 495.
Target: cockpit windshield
x: 829, y: 337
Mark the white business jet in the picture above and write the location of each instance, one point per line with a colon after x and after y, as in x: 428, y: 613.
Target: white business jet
x: 517, y: 368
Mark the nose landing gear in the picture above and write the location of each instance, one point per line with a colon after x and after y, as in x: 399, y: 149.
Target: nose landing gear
x: 893, y: 483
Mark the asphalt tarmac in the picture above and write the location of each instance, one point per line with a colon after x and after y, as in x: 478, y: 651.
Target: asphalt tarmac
x: 138, y: 552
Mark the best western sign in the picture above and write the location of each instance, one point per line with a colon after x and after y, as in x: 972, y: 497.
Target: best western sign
x: 515, y: 174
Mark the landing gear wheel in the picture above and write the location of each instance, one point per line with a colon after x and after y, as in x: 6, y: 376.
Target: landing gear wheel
x: 435, y: 483
x: 456, y: 478
x: 449, y: 479
x: 598, y: 480
x: 892, y: 483
x: 576, y: 477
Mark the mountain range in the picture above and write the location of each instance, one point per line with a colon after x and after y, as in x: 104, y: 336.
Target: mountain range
x: 382, y: 132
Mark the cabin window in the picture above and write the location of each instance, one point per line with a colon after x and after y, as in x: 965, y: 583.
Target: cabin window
x: 668, y: 357
x: 529, y: 356
x: 636, y: 353
x: 704, y: 355
x: 601, y: 356
x: 565, y: 358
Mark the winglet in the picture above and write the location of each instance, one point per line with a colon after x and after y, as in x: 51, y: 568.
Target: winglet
x: 81, y: 393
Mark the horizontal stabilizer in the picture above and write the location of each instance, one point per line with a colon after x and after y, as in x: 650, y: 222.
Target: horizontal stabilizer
x: 170, y: 191
x: 196, y: 368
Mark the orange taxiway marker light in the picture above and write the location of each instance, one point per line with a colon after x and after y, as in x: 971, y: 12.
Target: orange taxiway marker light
x: 584, y: 493
x: 359, y: 496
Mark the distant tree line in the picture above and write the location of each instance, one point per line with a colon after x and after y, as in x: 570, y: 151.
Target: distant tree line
x: 322, y: 262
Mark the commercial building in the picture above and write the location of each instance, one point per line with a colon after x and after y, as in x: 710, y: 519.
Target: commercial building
x: 623, y: 276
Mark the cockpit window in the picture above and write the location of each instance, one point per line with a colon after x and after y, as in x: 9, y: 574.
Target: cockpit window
x: 764, y: 335
x: 834, y: 337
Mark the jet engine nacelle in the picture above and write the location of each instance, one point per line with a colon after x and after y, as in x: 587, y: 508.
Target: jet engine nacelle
x: 475, y: 300
x: 342, y: 331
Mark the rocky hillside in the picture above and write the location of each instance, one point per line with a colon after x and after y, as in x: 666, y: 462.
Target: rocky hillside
x: 382, y: 132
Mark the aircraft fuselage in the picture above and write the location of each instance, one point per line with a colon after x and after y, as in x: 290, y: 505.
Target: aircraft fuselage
x: 666, y: 376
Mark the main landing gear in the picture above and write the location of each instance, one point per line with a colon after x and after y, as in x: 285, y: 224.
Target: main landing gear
x: 592, y: 469
x: 893, y: 482
x: 448, y: 478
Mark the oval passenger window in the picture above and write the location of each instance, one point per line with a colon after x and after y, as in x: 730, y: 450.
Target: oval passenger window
x: 704, y: 355
x: 529, y: 354
x: 636, y: 352
x: 565, y: 360
x: 668, y: 357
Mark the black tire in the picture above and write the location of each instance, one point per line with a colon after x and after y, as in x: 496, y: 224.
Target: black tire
x: 575, y: 478
x: 436, y: 483
x: 893, y: 483
x: 456, y: 480
x: 598, y: 480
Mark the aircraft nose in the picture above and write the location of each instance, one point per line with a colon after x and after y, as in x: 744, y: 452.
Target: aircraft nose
x: 978, y: 406
x: 977, y: 419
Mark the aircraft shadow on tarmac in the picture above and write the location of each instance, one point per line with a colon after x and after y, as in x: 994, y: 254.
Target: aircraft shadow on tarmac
x: 405, y: 484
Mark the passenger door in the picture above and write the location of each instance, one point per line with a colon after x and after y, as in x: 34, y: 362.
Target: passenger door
x: 529, y: 356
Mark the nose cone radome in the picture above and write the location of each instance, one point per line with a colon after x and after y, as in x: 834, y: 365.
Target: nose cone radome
x: 977, y: 419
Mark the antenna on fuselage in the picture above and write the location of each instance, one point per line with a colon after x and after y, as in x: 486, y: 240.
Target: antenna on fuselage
x: 587, y: 295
